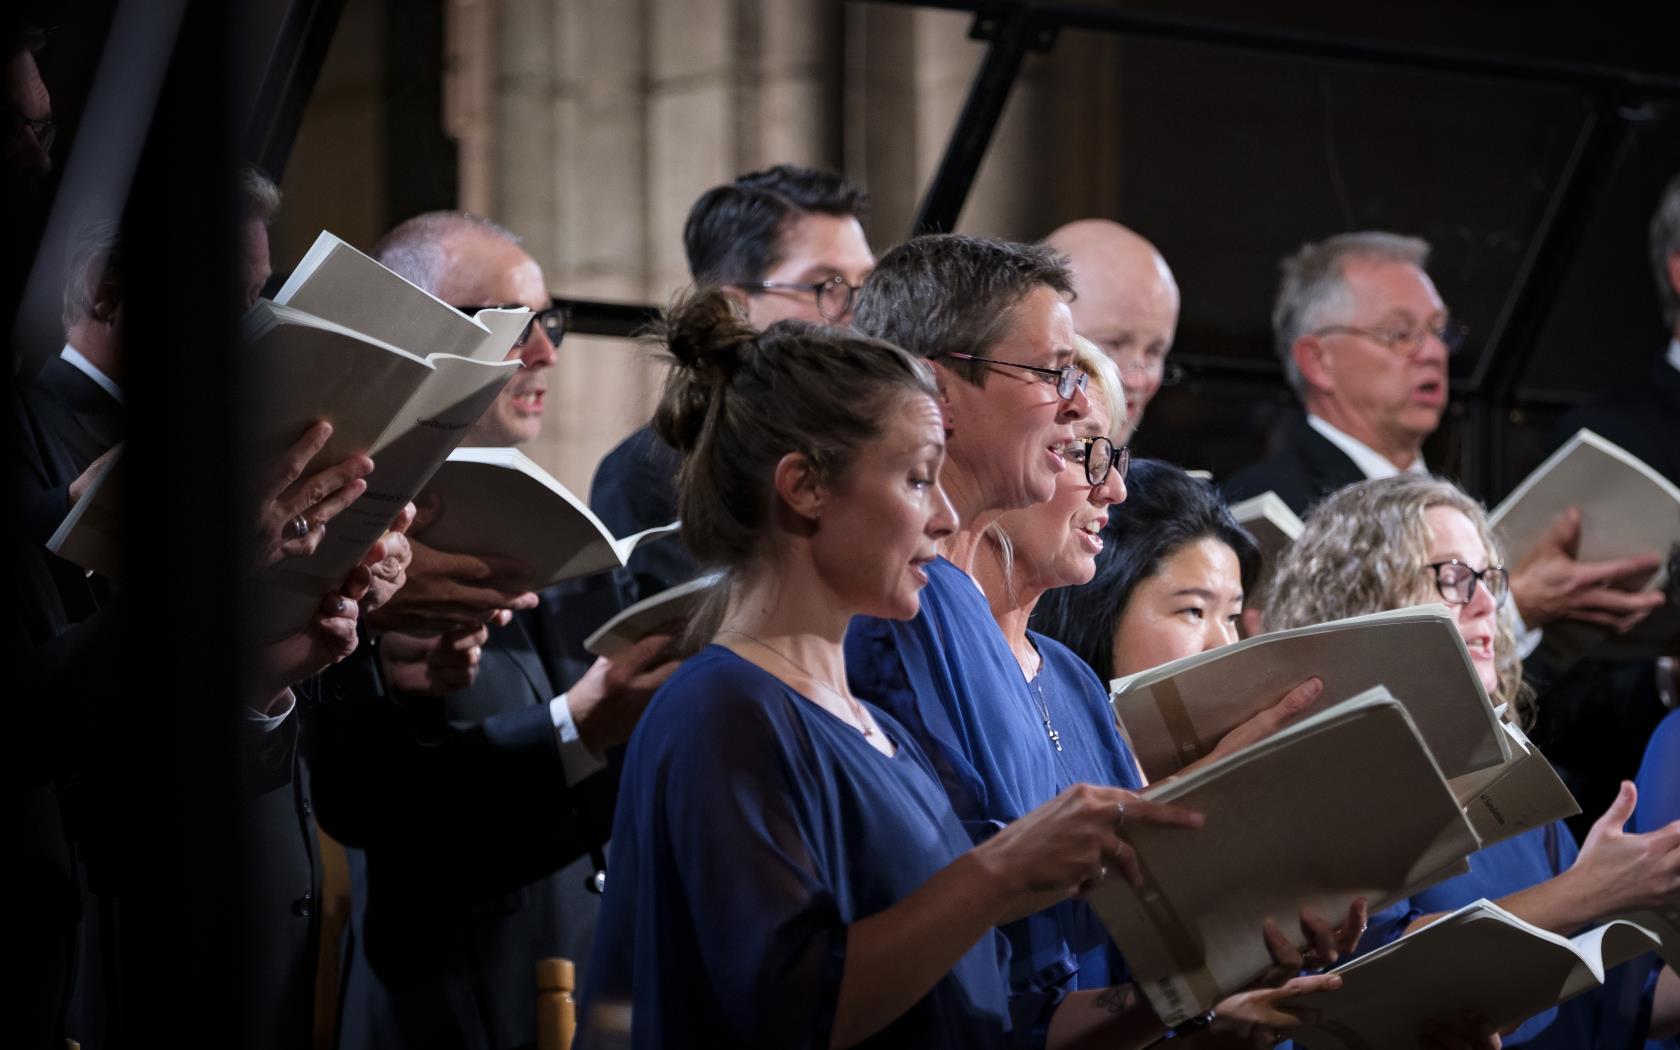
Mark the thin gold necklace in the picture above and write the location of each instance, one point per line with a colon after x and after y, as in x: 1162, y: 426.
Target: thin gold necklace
x: 863, y: 725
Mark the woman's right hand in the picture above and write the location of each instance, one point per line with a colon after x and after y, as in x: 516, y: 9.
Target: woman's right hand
x: 1264, y: 1015
x: 1067, y: 845
x: 1618, y: 870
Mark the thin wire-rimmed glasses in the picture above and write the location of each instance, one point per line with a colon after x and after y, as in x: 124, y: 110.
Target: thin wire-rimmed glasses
x: 1100, y: 457
x: 834, y: 294
x: 1068, y: 379
x: 1457, y: 581
x: 1402, y: 338
x: 553, y: 321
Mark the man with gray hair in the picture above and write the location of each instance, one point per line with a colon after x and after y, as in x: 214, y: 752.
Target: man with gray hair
x: 1364, y: 339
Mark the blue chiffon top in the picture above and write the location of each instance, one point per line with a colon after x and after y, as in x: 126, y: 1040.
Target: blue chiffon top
x: 752, y: 828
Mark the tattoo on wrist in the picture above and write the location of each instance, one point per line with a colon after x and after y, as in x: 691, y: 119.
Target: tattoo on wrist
x: 1116, y: 1000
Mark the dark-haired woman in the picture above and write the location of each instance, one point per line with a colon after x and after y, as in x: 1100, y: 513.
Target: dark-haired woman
x: 787, y: 871
x: 1169, y: 581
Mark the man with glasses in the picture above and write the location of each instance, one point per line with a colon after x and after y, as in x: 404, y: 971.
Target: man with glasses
x: 1364, y: 339
x: 1126, y: 302
x: 786, y: 242
x: 464, y: 766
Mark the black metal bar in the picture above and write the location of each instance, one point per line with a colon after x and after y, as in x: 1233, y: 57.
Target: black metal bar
x: 1585, y: 178
x: 1303, y: 43
x: 300, y: 49
x: 1010, y: 29
x: 183, y: 965
x: 594, y: 317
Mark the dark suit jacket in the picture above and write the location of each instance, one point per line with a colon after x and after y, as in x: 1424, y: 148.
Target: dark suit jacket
x: 635, y: 488
x: 1305, y: 470
x: 1596, y: 716
x: 474, y: 848
x: 78, y: 751
x: 1643, y: 417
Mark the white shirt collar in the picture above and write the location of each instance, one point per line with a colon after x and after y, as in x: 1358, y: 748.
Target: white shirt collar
x: 1371, y: 463
x: 1674, y: 353
x: 74, y: 359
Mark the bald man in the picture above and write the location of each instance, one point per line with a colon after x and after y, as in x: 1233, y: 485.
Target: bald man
x: 1127, y: 303
x: 474, y: 790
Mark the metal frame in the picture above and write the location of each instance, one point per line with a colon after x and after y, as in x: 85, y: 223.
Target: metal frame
x: 1013, y: 27
x: 294, y: 65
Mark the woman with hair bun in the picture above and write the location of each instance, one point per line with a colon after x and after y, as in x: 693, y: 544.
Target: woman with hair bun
x: 787, y: 870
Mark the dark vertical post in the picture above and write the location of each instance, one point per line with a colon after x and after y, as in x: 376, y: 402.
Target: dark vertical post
x: 181, y: 952
x: 1011, y: 32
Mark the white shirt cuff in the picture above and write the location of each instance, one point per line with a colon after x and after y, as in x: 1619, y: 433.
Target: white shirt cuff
x: 1528, y: 639
x: 268, y: 723
x: 578, y: 761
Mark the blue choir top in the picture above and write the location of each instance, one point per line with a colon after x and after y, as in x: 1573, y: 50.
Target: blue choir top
x: 1659, y: 804
x: 948, y: 676
x: 752, y: 828
x: 1611, y: 1018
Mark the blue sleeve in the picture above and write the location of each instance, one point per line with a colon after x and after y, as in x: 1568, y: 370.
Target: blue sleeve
x: 885, y: 666
x: 744, y: 855
x: 1659, y: 777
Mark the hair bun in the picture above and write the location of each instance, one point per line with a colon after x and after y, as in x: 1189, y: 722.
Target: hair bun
x: 707, y: 336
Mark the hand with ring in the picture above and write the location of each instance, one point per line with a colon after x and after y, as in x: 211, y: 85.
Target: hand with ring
x: 294, y: 509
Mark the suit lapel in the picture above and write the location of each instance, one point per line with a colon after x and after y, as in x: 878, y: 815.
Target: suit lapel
x: 97, y: 413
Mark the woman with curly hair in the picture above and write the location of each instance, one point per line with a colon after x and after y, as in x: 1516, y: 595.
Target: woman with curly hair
x: 1414, y: 540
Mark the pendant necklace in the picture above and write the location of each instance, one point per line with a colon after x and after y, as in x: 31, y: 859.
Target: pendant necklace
x: 863, y: 725
x: 1044, y: 709
x: 1043, y: 706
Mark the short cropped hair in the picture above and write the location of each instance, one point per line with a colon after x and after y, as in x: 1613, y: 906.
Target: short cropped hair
x: 95, y: 253
x: 734, y: 231
x: 414, y: 251
x: 259, y: 197
x: 1314, y: 291
x: 951, y: 293
x: 1665, y: 243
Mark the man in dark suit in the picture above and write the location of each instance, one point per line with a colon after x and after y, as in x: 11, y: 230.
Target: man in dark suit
x: 1596, y: 717
x: 80, y: 745
x: 1364, y: 338
x: 787, y: 242
x: 465, y: 767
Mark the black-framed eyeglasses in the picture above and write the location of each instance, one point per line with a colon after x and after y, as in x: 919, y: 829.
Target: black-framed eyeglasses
x: 1457, y: 581
x: 45, y: 129
x: 1068, y: 379
x: 553, y: 321
x: 1100, y: 457
x: 1405, y: 339
x: 834, y: 295
x: 1167, y: 373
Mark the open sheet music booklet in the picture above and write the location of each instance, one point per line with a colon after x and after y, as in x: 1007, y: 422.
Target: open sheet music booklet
x: 1176, y: 713
x: 1627, y: 508
x: 399, y: 374
x: 497, y: 501
x: 1344, y: 804
x: 1480, y: 957
x: 1272, y: 524
x: 675, y: 605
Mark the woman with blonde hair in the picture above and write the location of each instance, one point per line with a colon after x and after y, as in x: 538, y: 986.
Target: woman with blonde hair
x: 1413, y: 540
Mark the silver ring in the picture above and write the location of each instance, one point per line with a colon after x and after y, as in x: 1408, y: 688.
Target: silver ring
x: 1120, y: 815
x: 297, y: 528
